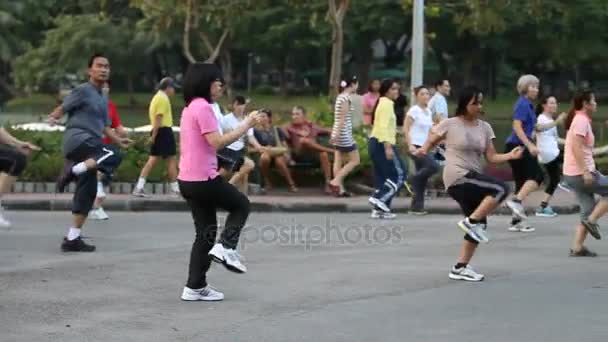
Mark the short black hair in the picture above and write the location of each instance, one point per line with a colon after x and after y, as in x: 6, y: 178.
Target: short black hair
x: 440, y: 82
x: 198, y: 80
x: 300, y: 108
x: 240, y: 100
x: 267, y: 112
x: 96, y: 55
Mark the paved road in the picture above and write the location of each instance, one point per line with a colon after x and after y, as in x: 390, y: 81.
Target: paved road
x: 362, y: 281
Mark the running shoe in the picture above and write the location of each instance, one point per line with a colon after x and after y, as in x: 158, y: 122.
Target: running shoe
x: 583, y: 252
x: 477, y: 231
x: 564, y: 186
x: 465, y: 273
x: 206, y: 294
x: 545, y: 212
x: 66, y: 177
x: 525, y: 227
x: 380, y: 215
x: 516, y: 227
x: 230, y: 258
x: 137, y: 192
x: 379, y: 204
x: 517, y: 208
x: 418, y: 212
x: 98, y: 214
x: 4, y: 223
x: 592, y: 228
x: 76, y: 245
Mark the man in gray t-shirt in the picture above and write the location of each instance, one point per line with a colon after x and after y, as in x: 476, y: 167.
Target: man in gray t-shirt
x: 88, y: 121
x: 87, y: 110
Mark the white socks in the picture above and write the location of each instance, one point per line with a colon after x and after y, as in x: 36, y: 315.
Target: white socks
x: 174, y: 187
x: 73, y: 234
x: 100, y: 192
x: 141, y: 182
x: 79, y: 168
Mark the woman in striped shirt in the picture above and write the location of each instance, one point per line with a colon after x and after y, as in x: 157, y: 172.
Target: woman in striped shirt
x: 342, y: 138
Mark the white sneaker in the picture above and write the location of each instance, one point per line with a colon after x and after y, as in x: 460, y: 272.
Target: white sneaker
x: 517, y: 209
x: 230, y: 258
x: 523, y: 227
x: 477, y: 231
x: 465, y: 273
x: 98, y: 214
x: 527, y: 228
x: 140, y: 193
x: 4, y: 223
x: 379, y: 204
x: 217, y: 252
x: 516, y: 227
x: 207, y: 294
x: 380, y: 215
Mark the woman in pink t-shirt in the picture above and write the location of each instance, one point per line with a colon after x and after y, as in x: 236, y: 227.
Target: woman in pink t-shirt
x: 369, y: 101
x: 202, y: 186
x: 580, y: 172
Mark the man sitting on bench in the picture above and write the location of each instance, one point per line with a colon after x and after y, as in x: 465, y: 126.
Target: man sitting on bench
x: 302, y: 138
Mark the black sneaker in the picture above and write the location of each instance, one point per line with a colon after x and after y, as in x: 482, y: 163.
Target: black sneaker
x: 66, y: 177
x: 583, y: 252
x: 76, y: 245
x: 593, y: 229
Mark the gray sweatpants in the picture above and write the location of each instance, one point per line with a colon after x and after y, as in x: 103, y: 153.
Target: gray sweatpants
x: 585, y: 194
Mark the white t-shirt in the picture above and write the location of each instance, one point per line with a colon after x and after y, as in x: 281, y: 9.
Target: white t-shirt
x: 548, y: 147
x: 438, y: 104
x: 423, y: 121
x: 218, y: 116
x: 229, y: 123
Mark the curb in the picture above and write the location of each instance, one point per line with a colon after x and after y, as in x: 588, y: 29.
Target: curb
x: 143, y: 205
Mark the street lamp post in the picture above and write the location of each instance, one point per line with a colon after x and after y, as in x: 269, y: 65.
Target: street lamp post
x: 417, y: 68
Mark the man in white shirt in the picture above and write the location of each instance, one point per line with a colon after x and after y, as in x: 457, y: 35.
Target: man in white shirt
x: 439, y: 109
x: 232, y: 158
x: 438, y: 104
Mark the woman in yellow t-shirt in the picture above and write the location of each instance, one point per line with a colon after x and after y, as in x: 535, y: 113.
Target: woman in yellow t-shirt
x: 389, y: 170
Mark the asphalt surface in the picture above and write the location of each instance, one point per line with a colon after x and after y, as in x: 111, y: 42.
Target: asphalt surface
x: 314, y: 276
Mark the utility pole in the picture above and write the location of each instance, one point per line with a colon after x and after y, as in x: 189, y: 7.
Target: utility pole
x: 417, y: 68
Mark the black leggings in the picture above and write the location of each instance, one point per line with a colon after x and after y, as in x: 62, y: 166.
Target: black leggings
x: 471, y: 190
x: 524, y: 169
x: 204, y: 198
x: 554, y: 171
x: 11, y: 161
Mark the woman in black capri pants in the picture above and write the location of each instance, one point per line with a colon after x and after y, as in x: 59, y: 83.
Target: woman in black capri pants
x: 467, y: 139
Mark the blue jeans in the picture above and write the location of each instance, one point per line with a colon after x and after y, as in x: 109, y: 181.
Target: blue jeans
x: 389, y: 175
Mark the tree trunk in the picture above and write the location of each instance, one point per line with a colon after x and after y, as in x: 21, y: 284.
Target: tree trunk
x: 336, y: 17
x: 186, y: 34
x: 336, y: 61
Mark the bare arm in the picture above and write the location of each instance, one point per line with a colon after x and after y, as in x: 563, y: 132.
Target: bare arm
x: 407, y: 125
x: 121, y: 130
x: 219, y: 141
x: 518, y: 127
x: 341, y: 116
x: 8, y: 139
x: 122, y: 141
x: 155, y: 126
x: 497, y: 158
x: 431, y: 142
x: 55, y: 115
x: 254, y: 142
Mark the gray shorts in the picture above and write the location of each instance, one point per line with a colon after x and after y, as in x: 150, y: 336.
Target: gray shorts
x: 586, y: 194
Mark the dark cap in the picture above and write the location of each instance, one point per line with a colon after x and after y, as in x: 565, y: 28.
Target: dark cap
x: 166, y: 83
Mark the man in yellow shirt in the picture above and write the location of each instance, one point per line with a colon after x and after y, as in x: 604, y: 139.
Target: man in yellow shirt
x: 161, y: 139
